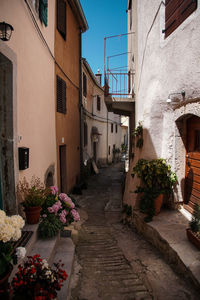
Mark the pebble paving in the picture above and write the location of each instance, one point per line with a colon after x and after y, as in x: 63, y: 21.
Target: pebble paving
x: 105, y: 273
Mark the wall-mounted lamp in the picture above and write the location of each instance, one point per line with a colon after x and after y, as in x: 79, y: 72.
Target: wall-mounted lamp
x: 169, y: 100
x: 5, y: 31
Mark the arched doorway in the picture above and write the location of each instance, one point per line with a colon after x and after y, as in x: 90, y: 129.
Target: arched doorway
x: 192, y: 163
x: 7, y: 177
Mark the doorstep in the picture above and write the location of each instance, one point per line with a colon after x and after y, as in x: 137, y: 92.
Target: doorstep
x: 167, y: 232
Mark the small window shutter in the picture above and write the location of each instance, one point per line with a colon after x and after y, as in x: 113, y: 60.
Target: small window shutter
x: 84, y: 85
x: 61, y: 95
x: 176, y: 11
x: 85, y: 134
x: 43, y: 11
x: 98, y: 103
x: 61, y: 17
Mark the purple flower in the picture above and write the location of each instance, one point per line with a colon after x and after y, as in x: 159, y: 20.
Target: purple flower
x: 75, y: 215
x: 50, y: 209
x: 63, y: 216
x: 54, y: 190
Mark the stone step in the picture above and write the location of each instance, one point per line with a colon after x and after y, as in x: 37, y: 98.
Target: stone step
x: 53, y: 250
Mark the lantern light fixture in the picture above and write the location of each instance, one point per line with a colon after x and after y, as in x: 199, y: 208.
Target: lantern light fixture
x: 182, y: 93
x: 5, y: 31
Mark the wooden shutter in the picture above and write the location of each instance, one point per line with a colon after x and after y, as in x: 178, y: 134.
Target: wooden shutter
x: 61, y: 17
x: 176, y: 11
x: 84, y: 85
x: 61, y: 95
x: 98, y: 103
x: 43, y: 11
x: 111, y: 127
x: 85, y: 134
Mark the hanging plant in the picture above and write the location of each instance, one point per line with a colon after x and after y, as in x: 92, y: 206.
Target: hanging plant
x: 138, y: 133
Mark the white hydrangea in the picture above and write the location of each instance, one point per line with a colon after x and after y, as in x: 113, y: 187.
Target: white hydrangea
x: 20, y: 252
x: 10, y: 227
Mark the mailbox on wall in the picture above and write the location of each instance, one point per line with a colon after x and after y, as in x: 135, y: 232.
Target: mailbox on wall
x: 23, y: 158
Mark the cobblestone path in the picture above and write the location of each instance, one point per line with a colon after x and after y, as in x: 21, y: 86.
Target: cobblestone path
x: 104, y: 266
x: 114, y: 262
x: 105, y: 273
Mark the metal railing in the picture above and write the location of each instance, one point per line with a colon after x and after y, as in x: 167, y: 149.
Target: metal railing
x: 118, y: 84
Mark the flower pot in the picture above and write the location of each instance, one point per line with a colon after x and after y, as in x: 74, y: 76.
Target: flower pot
x: 193, y: 238
x: 4, y: 282
x: 158, y: 201
x: 32, y: 214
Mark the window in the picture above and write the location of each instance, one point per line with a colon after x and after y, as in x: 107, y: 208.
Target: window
x: 85, y: 134
x: 116, y: 128
x: 84, y: 85
x: 111, y: 127
x: 61, y: 95
x: 98, y: 103
x: 41, y: 9
x: 109, y: 150
x: 61, y: 18
x: 176, y: 11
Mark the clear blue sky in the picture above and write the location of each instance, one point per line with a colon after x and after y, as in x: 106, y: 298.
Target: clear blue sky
x: 105, y: 18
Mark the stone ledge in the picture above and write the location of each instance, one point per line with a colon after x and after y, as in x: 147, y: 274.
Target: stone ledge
x: 167, y: 232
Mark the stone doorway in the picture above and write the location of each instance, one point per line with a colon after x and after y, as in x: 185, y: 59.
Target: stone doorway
x: 7, y: 175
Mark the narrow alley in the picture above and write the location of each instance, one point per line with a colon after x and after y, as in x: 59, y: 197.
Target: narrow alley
x: 112, y: 261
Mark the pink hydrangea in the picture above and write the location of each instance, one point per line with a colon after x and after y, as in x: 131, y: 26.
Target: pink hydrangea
x: 66, y: 199
x: 54, y: 190
x: 75, y: 215
x: 63, y: 216
x: 55, y: 208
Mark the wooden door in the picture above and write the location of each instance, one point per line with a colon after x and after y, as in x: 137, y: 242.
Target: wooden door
x: 192, y: 176
x: 63, y: 169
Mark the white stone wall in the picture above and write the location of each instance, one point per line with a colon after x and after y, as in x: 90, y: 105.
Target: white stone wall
x: 163, y: 66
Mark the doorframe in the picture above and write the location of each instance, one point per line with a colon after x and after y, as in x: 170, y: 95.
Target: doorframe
x: 11, y: 55
x: 181, y: 114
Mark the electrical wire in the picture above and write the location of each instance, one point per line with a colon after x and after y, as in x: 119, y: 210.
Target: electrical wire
x: 47, y: 46
x: 92, y: 116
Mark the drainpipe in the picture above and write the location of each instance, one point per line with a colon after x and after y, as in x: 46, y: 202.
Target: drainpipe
x: 81, y: 107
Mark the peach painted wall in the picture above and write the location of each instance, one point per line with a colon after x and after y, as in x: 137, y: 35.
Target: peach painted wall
x: 34, y: 107
x: 67, y: 54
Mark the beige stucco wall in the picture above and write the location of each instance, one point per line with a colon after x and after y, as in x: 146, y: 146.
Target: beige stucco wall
x: 102, y: 120
x: 163, y: 66
x: 34, y: 108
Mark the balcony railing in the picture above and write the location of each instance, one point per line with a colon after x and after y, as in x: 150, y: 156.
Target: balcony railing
x: 118, y: 84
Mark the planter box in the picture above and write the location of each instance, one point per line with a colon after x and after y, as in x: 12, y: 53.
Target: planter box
x: 193, y: 238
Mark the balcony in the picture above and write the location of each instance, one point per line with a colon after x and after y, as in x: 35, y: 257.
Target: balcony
x: 118, y: 96
x: 118, y: 79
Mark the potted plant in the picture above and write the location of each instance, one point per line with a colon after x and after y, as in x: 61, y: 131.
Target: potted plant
x: 10, y: 231
x: 36, y: 280
x: 157, y: 179
x: 32, y: 196
x: 193, y: 232
x: 58, y: 210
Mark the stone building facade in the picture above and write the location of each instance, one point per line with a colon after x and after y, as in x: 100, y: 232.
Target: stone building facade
x: 164, y: 54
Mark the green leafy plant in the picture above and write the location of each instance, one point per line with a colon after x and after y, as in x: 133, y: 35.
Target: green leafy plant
x: 31, y: 194
x: 195, y: 222
x: 49, y: 227
x: 156, y: 178
x: 138, y: 133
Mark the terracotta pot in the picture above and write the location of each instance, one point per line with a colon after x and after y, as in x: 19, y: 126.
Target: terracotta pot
x: 193, y: 238
x: 4, y: 294
x: 158, y: 201
x: 32, y: 214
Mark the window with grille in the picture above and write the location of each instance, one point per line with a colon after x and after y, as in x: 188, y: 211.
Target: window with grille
x: 85, y: 134
x: 61, y: 18
x: 176, y: 11
x: 61, y: 95
x: 84, y: 85
x: 98, y: 103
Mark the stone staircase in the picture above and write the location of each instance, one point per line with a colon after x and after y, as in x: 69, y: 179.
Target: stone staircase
x: 54, y: 249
